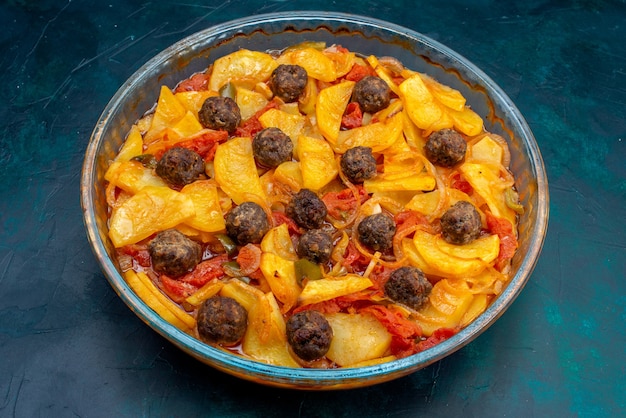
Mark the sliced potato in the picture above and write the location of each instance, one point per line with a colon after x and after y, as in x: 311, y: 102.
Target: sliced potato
x: 445, y: 95
x: 330, y: 106
x: 477, y: 307
x: 446, y: 307
x: 188, y: 125
x: 265, y: 338
x: 383, y: 73
x: 235, y: 170
x: 247, y: 296
x: 281, y: 275
x: 412, y: 134
x: 289, y: 123
x: 316, y: 64
x: 168, y: 111
x: 289, y: 173
x: 158, y: 302
x: 485, y: 180
x: 329, y: 288
x: 317, y: 162
x: 207, y: 291
x: 151, y: 210
x: 277, y: 241
x: 343, y: 60
x: 414, y: 182
x: 416, y: 259
x: 456, y: 260
x: 132, y: 176
x: 466, y: 121
x: 133, y: 146
x: 356, y: 338
x: 193, y: 100
x: 419, y: 102
x: 308, y: 99
x: 378, y: 136
x: 249, y: 102
x: 487, y: 150
x: 399, y: 147
x: 425, y: 203
x: 209, y: 216
x: 243, y: 66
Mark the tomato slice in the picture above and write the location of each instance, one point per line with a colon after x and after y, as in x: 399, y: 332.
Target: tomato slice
x: 353, y: 117
x: 206, y: 271
x: 196, y: 82
x: 340, y: 204
x: 459, y: 183
x: 177, y: 290
x: 508, y: 241
x: 438, y: 336
x: 359, y: 71
x: 404, y: 332
x: 253, y: 126
x: 204, y: 144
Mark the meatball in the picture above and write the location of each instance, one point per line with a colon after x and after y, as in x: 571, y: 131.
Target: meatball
x: 409, y: 286
x: 309, y: 334
x: 180, y: 166
x: 315, y: 245
x: 174, y: 254
x: 222, y: 320
x: 461, y: 223
x: 271, y: 146
x: 371, y: 93
x: 288, y: 82
x: 445, y: 148
x: 377, y: 231
x: 247, y: 223
x: 220, y: 113
x: 358, y: 164
x: 307, y: 209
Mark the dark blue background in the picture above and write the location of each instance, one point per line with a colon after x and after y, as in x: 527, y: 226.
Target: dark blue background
x: 70, y: 347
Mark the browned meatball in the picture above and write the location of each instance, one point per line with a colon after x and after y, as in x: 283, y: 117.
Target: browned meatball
x: 461, y: 223
x: 315, y: 245
x: 271, y: 146
x: 173, y: 254
x: 377, y: 231
x: 288, y: 82
x: 307, y: 209
x: 309, y: 335
x: 409, y: 286
x: 220, y: 113
x: 372, y: 94
x: 180, y: 166
x: 222, y: 320
x: 358, y: 164
x: 247, y: 223
x: 445, y: 148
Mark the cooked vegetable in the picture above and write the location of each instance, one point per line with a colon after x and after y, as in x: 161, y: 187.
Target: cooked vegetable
x: 357, y: 338
x: 151, y: 210
x: 307, y: 270
x: 235, y: 170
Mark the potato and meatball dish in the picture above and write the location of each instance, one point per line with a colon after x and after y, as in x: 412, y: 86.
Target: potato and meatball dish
x: 313, y: 207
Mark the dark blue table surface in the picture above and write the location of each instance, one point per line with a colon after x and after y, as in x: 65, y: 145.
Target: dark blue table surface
x: 70, y: 347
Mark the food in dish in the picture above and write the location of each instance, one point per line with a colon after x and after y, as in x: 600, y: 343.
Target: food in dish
x: 311, y: 207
